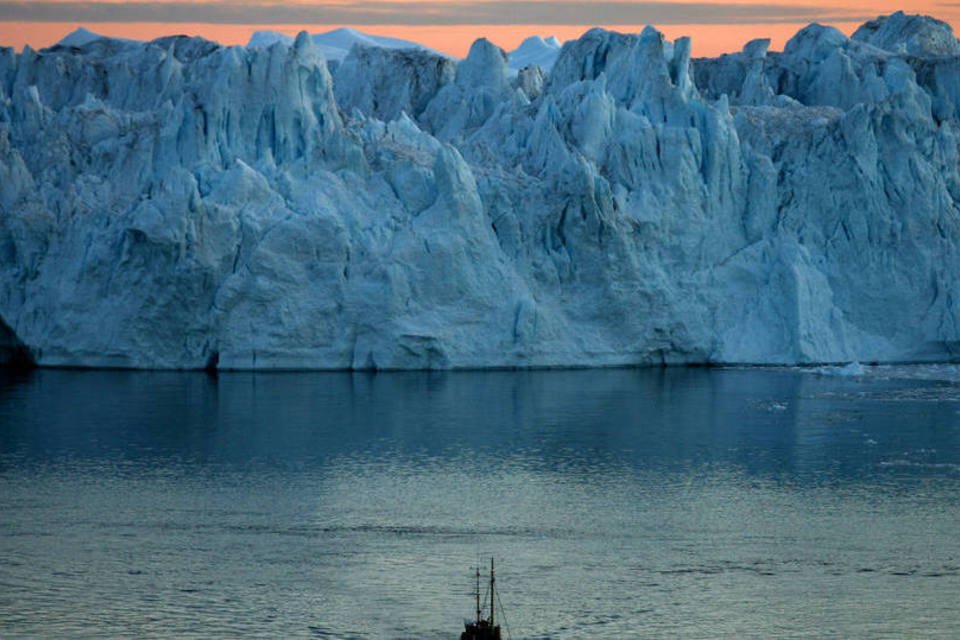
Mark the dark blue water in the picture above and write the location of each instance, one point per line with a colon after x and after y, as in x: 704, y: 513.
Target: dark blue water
x: 651, y: 503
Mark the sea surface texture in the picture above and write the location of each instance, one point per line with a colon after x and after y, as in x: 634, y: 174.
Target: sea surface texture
x: 181, y: 204
x: 619, y: 504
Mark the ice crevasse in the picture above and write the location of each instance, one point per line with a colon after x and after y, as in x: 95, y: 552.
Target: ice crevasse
x: 181, y: 204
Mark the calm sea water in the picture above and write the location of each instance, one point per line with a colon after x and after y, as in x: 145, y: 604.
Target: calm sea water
x: 620, y: 504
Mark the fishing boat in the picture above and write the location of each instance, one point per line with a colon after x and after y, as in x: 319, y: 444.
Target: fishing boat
x: 483, y: 628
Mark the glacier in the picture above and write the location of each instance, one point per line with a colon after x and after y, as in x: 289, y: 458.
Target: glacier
x: 336, y: 44
x: 535, y: 51
x: 180, y: 204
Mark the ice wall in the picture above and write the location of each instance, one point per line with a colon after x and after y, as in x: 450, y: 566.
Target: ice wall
x: 179, y: 204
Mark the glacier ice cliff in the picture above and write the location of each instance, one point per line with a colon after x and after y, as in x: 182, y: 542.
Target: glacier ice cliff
x: 180, y: 204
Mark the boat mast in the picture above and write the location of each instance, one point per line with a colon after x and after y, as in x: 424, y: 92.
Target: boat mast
x: 493, y: 601
x: 478, y: 590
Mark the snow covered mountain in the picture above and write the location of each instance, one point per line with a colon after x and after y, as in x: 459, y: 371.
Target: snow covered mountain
x: 182, y: 204
x: 265, y: 39
x: 535, y: 51
x: 80, y: 37
x: 336, y: 44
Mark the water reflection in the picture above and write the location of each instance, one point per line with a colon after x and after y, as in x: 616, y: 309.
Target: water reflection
x: 765, y: 422
x: 623, y: 503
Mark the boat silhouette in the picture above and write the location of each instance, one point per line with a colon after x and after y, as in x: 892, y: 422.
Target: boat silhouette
x: 484, y: 628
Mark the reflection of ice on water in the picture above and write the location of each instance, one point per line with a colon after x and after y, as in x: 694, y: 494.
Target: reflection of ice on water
x: 930, y: 372
x: 936, y: 385
x: 342, y: 505
x: 943, y: 379
x: 849, y: 370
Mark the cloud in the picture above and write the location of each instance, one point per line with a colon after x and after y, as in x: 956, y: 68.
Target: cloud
x: 430, y: 12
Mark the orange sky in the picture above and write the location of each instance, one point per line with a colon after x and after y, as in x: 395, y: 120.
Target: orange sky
x: 709, y: 38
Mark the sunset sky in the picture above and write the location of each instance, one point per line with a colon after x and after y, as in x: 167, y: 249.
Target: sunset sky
x: 715, y: 26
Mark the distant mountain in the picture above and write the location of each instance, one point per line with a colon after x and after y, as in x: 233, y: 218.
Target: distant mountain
x: 265, y: 39
x: 336, y: 44
x: 535, y: 50
x: 79, y: 37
